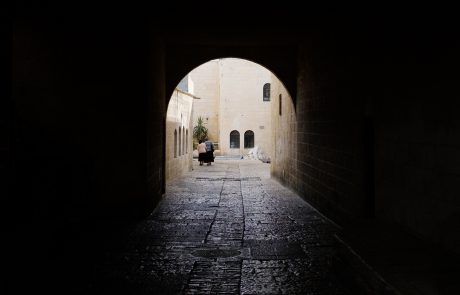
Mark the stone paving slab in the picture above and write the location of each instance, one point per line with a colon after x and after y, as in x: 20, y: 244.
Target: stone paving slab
x: 219, y: 277
x: 225, y: 229
x: 289, y: 276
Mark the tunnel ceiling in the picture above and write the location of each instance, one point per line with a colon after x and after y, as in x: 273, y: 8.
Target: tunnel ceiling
x: 275, y: 51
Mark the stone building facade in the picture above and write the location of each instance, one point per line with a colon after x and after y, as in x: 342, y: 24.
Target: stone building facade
x: 178, y: 134
x: 243, y: 105
x: 235, y: 102
x: 206, y: 80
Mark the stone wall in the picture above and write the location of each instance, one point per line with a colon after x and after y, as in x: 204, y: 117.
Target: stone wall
x: 241, y: 104
x: 230, y: 98
x: 377, y: 137
x: 417, y: 137
x: 330, y: 155
x: 84, y: 107
x: 179, y: 130
x: 206, y: 88
x: 284, y: 136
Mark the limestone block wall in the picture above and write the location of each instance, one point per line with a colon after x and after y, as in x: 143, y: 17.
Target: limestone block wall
x: 284, y: 135
x: 205, y: 86
x: 417, y: 142
x: 331, y: 154
x: 241, y: 104
x: 178, y: 135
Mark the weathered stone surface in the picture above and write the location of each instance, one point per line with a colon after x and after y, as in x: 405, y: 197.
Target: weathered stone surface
x: 225, y: 229
x: 257, y: 153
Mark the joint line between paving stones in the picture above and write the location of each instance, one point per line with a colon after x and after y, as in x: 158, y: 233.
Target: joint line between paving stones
x: 220, y: 194
x: 215, y: 214
x: 241, y: 276
x: 189, y: 280
x: 242, y: 237
x: 244, y: 216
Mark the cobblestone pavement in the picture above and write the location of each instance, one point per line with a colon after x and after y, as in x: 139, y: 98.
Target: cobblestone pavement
x: 224, y: 229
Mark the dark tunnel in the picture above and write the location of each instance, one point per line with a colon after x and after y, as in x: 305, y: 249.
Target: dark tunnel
x: 378, y: 133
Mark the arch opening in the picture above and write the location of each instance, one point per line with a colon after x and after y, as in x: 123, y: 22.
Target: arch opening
x: 225, y: 95
x: 234, y: 139
x: 248, y: 139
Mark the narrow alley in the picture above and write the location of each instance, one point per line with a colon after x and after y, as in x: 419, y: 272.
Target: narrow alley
x: 355, y: 107
x: 225, y: 229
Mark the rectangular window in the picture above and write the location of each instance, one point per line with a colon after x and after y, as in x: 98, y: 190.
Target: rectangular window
x: 281, y: 103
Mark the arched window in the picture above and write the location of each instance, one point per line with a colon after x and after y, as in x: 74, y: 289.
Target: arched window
x: 234, y: 139
x: 180, y: 141
x: 248, y: 139
x: 266, y: 92
x: 175, y: 143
